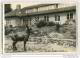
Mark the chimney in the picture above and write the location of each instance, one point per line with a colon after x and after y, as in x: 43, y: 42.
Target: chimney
x: 18, y: 7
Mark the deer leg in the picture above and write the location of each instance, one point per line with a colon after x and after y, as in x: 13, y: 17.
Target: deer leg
x: 24, y: 45
x: 14, y: 45
x: 25, y: 39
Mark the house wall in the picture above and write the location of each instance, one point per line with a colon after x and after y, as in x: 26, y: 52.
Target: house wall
x: 63, y: 17
x: 14, y: 22
x: 21, y: 22
x: 75, y: 17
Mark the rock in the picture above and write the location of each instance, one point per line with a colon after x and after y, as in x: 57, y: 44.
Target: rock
x: 56, y: 35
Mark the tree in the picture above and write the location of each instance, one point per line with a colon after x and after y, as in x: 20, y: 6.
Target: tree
x: 7, y: 8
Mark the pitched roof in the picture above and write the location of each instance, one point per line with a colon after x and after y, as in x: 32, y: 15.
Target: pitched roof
x: 17, y: 12
x: 53, y: 10
x: 13, y: 13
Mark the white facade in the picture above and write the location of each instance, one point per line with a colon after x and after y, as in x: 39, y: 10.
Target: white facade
x: 63, y: 17
x: 20, y: 22
x: 14, y: 22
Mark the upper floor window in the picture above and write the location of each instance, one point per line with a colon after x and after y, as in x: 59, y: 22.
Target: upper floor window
x: 70, y: 16
x: 29, y: 11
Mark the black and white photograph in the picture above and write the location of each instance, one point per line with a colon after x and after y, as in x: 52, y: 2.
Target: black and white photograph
x: 36, y: 27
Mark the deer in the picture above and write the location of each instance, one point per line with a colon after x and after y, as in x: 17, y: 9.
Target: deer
x: 22, y: 37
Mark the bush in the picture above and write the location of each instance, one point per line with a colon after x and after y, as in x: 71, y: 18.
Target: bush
x: 41, y: 23
x: 8, y: 30
x: 58, y: 27
x: 69, y: 30
x: 50, y: 24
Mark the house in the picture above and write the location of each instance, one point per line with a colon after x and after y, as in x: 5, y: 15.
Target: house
x: 57, y: 13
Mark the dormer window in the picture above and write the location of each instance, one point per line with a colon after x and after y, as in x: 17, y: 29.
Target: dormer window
x: 29, y: 10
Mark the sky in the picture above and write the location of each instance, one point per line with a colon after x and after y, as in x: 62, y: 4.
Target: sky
x: 13, y: 5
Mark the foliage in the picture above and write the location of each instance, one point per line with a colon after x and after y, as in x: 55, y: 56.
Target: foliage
x: 50, y: 24
x: 7, y: 8
x: 41, y: 23
x: 69, y: 31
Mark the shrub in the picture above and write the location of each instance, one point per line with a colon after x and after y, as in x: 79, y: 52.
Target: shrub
x: 8, y: 30
x: 41, y: 23
x: 50, y: 24
x: 58, y: 27
x: 70, y: 31
x: 10, y: 26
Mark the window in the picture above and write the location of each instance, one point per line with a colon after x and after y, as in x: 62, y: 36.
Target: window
x: 57, y: 18
x: 67, y: 16
x: 70, y: 16
x: 46, y: 18
x: 29, y: 10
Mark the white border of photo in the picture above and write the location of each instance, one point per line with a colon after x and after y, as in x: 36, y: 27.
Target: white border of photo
x: 47, y: 1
